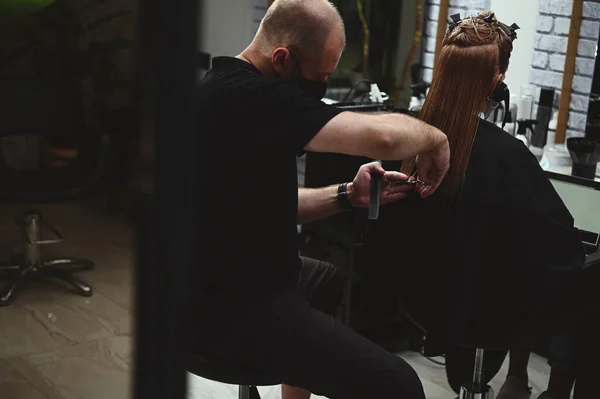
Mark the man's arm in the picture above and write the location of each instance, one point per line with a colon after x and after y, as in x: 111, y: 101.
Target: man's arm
x: 378, y: 136
x: 388, y: 137
x: 319, y: 203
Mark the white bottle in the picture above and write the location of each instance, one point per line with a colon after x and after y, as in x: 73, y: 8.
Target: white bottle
x: 525, y: 102
x: 552, y: 129
x: 415, y: 104
x: 510, y: 128
x: 522, y: 132
x: 524, y: 139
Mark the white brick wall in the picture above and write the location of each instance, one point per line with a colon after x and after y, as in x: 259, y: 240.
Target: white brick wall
x: 585, y: 66
x: 562, y: 26
x: 591, y: 9
x: 590, y: 29
x: 545, y: 24
x: 541, y: 77
x: 541, y: 59
x: 556, y: 7
x: 557, y: 62
x: 587, y: 48
x: 550, y: 45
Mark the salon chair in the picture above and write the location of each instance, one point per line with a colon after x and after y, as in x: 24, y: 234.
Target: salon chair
x: 51, y: 110
x: 247, y: 379
x: 472, y: 364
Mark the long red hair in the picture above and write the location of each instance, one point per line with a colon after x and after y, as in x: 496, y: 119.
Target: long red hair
x: 472, y: 55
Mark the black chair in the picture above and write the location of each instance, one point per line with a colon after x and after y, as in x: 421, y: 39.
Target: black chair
x: 247, y: 379
x: 55, y: 112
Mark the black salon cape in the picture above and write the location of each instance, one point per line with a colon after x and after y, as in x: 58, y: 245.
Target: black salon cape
x: 479, y: 271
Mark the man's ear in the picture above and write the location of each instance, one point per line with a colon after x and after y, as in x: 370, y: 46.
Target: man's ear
x: 278, y: 60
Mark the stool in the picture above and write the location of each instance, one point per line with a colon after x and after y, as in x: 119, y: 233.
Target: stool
x: 33, y: 265
x: 247, y: 379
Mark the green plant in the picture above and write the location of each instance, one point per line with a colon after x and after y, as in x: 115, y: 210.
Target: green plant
x: 58, y: 46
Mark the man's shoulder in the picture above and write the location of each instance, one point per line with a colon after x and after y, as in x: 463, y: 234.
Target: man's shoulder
x: 232, y: 80
x: 229, y: 72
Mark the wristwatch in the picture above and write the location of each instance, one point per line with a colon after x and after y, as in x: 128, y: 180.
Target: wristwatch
x: 342, y: 197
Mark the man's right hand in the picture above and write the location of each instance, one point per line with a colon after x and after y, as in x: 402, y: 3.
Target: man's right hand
x: 431, y: 168
x: 388, y: 137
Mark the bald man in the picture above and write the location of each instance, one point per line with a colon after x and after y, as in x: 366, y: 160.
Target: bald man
x: 257, y: 304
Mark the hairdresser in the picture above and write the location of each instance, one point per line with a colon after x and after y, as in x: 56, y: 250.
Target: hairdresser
x: 256, y: 303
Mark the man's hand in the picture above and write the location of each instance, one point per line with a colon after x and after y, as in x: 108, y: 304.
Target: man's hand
x: 390, y: 192
x: 431, y: 168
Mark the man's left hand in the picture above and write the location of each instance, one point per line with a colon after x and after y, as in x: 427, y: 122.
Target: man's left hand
x: 390, y: 192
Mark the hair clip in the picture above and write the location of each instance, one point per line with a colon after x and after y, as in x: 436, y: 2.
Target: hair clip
x: 490, y: 19
x: 511, y: 31
x: 455, y: 21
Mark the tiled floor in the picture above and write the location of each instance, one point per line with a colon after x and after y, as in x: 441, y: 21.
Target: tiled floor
x: 57, y: 345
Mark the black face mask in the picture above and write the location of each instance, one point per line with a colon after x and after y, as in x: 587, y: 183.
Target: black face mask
x: 311, y: 87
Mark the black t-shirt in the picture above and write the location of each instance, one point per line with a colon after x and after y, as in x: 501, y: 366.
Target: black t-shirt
x: 251, y: 128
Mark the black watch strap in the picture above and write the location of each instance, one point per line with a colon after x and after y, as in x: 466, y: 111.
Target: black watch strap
x: 342, y: 197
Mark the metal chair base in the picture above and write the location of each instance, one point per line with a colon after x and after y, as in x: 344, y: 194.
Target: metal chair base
x: 33, y: 267
x: 248, y: 392
x: 472, y: 393
x: 476, y: 389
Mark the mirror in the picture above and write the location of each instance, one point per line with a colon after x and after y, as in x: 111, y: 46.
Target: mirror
x: 68, y: 150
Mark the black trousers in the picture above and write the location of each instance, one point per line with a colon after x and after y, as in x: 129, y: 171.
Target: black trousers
x: 294, y: 337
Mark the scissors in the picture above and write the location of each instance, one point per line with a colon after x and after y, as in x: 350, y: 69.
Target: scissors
x: 411, y: 182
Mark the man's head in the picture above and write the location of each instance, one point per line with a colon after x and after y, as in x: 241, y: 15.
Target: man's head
x: 303, y: 40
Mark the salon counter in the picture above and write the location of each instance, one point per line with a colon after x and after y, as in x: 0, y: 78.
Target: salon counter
x: 566, y: 171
